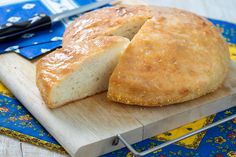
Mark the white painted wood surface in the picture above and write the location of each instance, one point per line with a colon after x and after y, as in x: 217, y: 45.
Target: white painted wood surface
x: 218, y: 9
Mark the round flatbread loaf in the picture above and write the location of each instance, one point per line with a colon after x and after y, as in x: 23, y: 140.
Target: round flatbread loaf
x: 176, y: 56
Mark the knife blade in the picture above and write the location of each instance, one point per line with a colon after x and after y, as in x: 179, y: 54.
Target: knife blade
x: 11, y: 30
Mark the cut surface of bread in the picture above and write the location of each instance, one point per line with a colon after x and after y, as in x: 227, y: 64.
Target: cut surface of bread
x: 91, y: 48
x: 70, y: 74
x: 176, y: 56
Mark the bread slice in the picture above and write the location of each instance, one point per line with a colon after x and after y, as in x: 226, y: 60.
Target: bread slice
x: 78, y: 71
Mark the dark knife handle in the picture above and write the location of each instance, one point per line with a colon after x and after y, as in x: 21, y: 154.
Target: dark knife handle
x: 12, y: 30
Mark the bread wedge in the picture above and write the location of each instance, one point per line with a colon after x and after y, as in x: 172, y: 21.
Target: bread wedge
x: 91, y: 48
x: 72, y: 73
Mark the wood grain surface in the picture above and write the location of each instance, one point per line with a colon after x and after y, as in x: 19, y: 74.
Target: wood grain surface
x: 215, y: 9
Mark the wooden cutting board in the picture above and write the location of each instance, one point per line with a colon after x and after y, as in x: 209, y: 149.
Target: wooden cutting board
x: 87, y: 127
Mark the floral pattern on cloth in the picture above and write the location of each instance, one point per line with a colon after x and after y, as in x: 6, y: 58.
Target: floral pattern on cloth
x: 191, y: 142
x: 32, y: 45
x: 219, y: 141
x: 17, y: 122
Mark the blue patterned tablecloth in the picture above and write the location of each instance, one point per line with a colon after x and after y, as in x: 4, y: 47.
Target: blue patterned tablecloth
x: 17, y: 122
x: 31, y: 45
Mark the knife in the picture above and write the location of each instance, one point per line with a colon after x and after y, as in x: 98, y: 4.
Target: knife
x: 40, y: 21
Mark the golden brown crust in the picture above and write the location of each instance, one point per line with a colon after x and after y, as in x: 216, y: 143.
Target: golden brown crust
x: 175, y: 57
